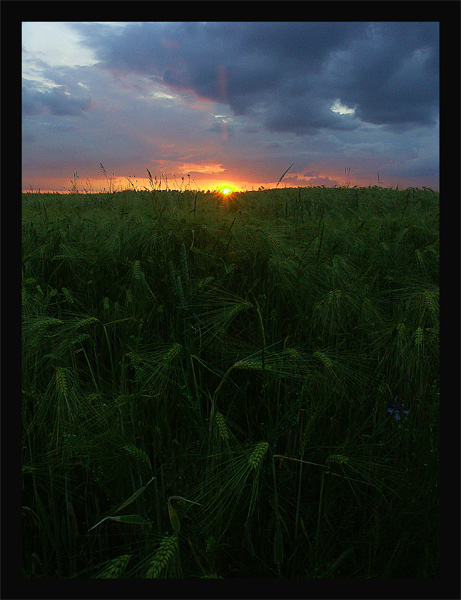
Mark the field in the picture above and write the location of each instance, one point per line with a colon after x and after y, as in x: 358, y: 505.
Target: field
x: 231, y: 387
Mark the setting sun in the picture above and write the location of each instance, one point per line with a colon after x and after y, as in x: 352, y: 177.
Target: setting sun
x: 226, y: 194
x: 226, y: 189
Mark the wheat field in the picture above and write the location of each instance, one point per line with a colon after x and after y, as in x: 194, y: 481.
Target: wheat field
x: 238, y: 387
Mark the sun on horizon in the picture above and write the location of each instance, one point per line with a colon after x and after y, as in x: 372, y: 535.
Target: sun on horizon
x: 226, y: 189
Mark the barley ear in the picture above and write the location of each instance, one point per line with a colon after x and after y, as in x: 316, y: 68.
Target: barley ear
x: 222, y: 427
x: 61, y: 381
x: 172, y: 352
x: 338, y: 459
x: 257, y: 455
x: 324, y: 359
x: 419, y: 336
x: 162, y: 557
x: 115, y: 567
x: 138, y: 454
x: 137, y: 271
x: 67, y: 295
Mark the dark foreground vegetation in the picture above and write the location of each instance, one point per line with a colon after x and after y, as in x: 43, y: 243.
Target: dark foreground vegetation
x: 231, y: 387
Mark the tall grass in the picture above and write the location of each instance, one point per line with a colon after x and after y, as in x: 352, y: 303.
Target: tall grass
x: 206, y: 384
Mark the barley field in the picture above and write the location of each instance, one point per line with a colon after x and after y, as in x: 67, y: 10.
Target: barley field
x: 231, y: 387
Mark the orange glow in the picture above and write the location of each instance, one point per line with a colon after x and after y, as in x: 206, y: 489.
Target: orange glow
x: 226, y: 194
x: 226, y: 189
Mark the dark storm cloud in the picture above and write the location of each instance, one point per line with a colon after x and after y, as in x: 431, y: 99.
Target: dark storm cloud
x: 390, y: 74
x: 57, y: 101
x: 287, y: 75
x: 236, y: 101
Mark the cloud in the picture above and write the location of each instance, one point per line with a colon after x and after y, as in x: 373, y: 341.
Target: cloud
x: 209, y: 169
x: 287, y: 75
x: 57, y: 101
x: 242, y: 100
x: 390, y: 74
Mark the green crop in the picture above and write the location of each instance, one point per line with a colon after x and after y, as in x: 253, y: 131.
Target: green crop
x: 238, y: 357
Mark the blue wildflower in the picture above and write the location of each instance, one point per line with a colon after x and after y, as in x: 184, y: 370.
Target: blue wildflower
x: 397, y: 409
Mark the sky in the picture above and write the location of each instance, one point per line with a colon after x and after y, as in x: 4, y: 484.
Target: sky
x: 204, y: 105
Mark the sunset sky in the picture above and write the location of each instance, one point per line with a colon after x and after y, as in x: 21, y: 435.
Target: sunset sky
x: 214, y: 104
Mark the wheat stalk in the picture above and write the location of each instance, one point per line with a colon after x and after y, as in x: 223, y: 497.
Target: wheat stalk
x: 79, y: 339
x: 251, y: 365
x: 137, y: 271
x: 172, y: 353
x: 283, y: 175
x: 258, y: 454
x: 338, y: 459
x: 184, y: 265
x: 204, y: 283
x: 431, y: 299
x: 85, y: 322
x: 235, y: 311
x: 177, y: 283
x: 215, y: 322
x: 61, y: 381
x: 225, y: 485
x: 419, y: 336
x: 67, y: 295
x: 162, y: 556
x: 153, y: 368
x: 46, y: 322
x: 222, y: 427
x: 179, y: 291
x: 401, y: 327
x: 289, y: 363
x: 138, y: 454
x: 325, y: 360
x: 115, y: 567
